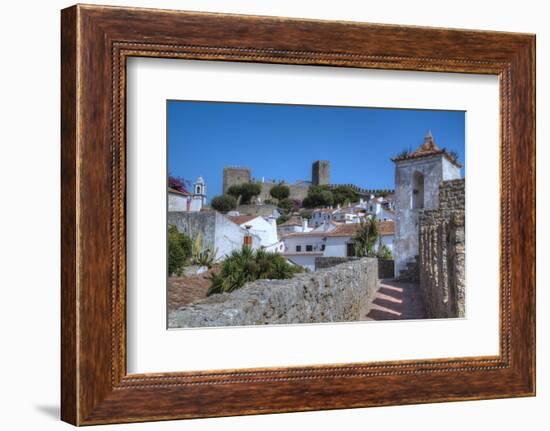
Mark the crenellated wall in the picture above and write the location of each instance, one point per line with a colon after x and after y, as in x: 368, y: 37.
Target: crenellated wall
x: 442, y: 253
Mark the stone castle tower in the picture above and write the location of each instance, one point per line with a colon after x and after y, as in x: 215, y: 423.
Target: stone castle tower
x: 417, y: 179
x: 234, y: 176
x: 320, y: 173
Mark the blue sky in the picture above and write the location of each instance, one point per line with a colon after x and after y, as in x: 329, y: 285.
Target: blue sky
x: 281, y: 141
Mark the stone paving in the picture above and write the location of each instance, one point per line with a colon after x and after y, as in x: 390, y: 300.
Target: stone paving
x: 396, y: 300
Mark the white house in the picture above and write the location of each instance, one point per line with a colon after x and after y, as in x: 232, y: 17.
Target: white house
x: 294, y: 224
x: 265, y: 228
x: 330, y: 240
x: 380, y: 208
x: 322, y: 215
x: 185, y: 201
x: 215, y: 231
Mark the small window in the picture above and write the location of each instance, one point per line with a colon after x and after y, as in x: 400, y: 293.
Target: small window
x: 322, y: 247
x: 298, y: 248
x: 309, y: 248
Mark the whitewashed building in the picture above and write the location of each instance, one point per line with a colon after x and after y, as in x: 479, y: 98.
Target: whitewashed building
x: 185, y: 201
x: 265, y: 228
x: 330, y: 240
x: 293, y: 225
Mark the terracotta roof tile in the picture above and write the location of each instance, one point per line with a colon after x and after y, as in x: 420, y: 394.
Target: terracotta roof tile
x: 242, y: 218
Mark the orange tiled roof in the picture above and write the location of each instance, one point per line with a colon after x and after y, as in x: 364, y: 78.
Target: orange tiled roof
x: 242, y: 218
x: 171, y: 190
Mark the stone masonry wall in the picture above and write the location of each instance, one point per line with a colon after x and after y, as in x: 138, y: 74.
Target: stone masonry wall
x: 337, y: 294
x: 442, y: 253
x: 322, y: 262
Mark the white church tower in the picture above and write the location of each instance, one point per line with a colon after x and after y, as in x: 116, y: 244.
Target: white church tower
x: 198, y: 199
x: 417, y: 178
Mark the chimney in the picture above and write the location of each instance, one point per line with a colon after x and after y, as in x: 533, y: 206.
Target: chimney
x: 304, y: 224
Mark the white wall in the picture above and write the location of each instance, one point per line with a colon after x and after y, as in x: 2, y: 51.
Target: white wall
x: 30, y: 133
x: 336, y: 246
x: 306, y: 261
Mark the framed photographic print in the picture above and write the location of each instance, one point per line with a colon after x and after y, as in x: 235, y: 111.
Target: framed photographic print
x: 268, y: 215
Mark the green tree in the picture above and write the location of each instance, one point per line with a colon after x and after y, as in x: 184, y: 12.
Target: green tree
x: 246, y: 265
x: 280, y: 192
x: 366, y: 237
x: 245, y: 191
x: 343, y: 194
x: 318, y: 198
x: 179, y: 250
x: 287, y: 205
x: 224, y: 203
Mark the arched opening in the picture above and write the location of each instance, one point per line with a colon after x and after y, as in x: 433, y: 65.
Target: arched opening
x: 418, y: 191
x: 198, y: 191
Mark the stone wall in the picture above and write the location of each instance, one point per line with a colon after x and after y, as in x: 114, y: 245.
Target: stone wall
x: 216, y: 231
x: 442, y: 253
x: 337, y: 294
x: 322, y: 262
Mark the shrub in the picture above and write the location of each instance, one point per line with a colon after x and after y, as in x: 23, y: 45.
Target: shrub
x: 322, y: 198
x: 366, y: 238
x: 287, y: 205
x: 343, y: 194
x: 247, y: 265
x: 178, y: 183
x: 385, y: 253
x: 224, y: 203
x: 179, y: 250
x: 280, y: 192
x: 245, y: 191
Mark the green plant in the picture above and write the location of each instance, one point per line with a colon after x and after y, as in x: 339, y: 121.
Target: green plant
x: 245, y: 191
x: 287, y: 205
x: 343, y: 194
x: 402, y: 154
x: 245, y: 265
x: 318, y: 198
x: 224, y: 203
x: 280, y: 192
x: 385, y: 253
x: 205, y: 257
x: 366, y: 237
x: 179, y: 250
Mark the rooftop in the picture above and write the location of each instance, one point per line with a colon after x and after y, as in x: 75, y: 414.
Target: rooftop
x: 241, y: 219
x: 178, y: 192
x: 428, y: 148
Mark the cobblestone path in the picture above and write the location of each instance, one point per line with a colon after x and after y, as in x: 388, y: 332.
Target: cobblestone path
x: 396, y: 300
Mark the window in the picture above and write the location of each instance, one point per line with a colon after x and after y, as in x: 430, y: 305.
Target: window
x: 417, y: 201
x: 298, y: 248
x: 309, y: 248
x: 322, y: 247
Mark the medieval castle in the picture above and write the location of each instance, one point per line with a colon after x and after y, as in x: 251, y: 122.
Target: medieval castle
x: 320, y: 176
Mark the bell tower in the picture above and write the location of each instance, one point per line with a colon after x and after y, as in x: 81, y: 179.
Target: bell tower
x: 199, y: 191
x: 418, y: 175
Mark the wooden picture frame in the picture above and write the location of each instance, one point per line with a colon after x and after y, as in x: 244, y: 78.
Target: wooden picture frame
x: 95, y: 43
